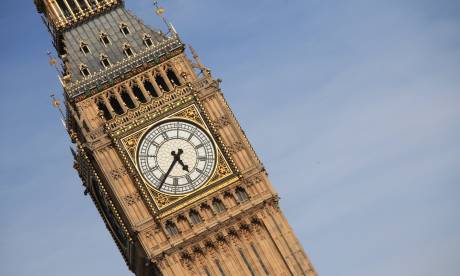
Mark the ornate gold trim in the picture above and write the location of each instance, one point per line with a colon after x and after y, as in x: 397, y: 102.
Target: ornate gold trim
x: 163, y: 204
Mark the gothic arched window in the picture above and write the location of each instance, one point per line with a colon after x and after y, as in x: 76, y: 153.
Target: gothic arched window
x: 84, y: 70
x: 218, y: 206
x: 149, y: 87
x: 116, y: 105
x: 105, y: 39
x: 161, y: 83
x: 171, y: 228
x: 195, y: 218
x: 124, y: 29
x: 148, y: 40
x: 128, y: 50
x: 172, y: 77
x: 138, y: 93
x: 241, y: 194
x: 84, y: 48
x: 127, y: 99
x: 104, y: 110
x: 105, y: 61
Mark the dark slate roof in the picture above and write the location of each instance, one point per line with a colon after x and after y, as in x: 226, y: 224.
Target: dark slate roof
x: 108, y: 23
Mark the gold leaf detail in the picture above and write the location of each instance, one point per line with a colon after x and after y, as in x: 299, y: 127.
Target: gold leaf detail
x: 191, y: 114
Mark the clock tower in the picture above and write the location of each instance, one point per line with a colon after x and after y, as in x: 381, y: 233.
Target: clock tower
x: 160, y: 152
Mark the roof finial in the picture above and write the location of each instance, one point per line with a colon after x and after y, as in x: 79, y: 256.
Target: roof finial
x: 57, y: 104
x: 53, y: 61
x: 160, y: 12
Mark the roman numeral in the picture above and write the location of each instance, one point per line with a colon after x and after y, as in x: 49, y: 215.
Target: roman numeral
x: 153, y: 169
x: 202, y: 158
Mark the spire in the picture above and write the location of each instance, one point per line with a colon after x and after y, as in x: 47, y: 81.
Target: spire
x: 160, y: 12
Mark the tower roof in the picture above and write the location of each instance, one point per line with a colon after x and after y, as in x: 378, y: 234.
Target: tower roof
x: 102, y: 43
x: 105, y: 36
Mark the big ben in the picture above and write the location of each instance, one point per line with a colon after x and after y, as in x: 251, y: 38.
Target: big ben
x: 160, y: 152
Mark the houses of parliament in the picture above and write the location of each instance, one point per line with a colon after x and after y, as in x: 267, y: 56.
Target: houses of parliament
x: 160, y: 152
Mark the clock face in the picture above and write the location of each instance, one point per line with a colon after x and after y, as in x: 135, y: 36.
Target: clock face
x: 176, y: 157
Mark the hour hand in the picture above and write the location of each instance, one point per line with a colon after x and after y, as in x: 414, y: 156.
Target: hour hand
x: 184, y: 167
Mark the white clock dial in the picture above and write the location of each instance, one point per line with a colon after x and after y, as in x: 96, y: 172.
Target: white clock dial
x: 176, y: 157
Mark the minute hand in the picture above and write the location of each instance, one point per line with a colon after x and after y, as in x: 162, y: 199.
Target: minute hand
x: 167, y: 173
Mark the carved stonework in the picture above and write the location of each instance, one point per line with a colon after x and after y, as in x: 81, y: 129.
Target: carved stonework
x: 186, y: 260
x: 149, y: 234
x: 198, y: 255
x: 132, y: 199
x: 221, y: 122
x: 116, y: 174
x: 235, y: 147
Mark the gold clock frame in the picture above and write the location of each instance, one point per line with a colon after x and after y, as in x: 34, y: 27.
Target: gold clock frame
x: 163, y: 204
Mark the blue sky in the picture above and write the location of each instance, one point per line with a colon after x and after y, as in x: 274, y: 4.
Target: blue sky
x: 353, y: 106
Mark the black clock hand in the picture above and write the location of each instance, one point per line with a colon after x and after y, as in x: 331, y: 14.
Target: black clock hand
x: 176, y: 158
x: 179, y: 153
x: 184, y: 167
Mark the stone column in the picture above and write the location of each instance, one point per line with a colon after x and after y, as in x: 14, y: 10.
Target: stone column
x: 78, y: 6
x: 70, y: 9
x: 60, y: 10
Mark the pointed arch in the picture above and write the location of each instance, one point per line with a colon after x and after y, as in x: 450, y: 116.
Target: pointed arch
x: 124, y: 29
x: 104, y: 38
x: 84, y: 48
x: 161, y: 83
x: 195, y: 217
x: 218, y: 206
x: 116, y: 106
x: 128, y: 50
x: 127, y: 99
x: 150, y: 88
x: 241, y: 194
x: 172, y: 77
x: 138, y: 93
x: 84, y: 70
x: 104, y: 110
x: 148, y: 40
x: 171, y: 228
x: 105, y: 61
